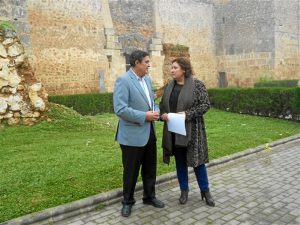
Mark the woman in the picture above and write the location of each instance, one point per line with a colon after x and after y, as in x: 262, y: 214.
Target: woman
x: 184, y: 94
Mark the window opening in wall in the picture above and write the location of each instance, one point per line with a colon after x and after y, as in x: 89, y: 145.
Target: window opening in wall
x: 101, y: 81
x: 109, y: 58
x: 127, y: 61
x: 222, y: 80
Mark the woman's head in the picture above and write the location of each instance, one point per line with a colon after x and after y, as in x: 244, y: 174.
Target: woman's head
x: 181, y: 68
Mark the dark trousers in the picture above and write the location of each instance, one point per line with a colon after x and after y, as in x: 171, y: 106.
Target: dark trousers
x: 182, y: 171
x: 133, y: 158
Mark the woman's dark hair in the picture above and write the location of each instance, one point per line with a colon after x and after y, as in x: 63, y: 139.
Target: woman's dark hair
x: 185, y: 65
x: 137, y: 55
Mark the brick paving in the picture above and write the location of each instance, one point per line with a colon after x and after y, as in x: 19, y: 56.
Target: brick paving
x: 261, y: 188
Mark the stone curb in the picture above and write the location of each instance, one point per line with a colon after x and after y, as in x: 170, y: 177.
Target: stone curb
x: 88, y: 204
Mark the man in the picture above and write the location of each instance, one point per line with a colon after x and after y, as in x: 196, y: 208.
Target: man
x: 134, y: 105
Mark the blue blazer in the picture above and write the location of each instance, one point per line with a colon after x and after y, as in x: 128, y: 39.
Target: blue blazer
x: 131, y: 105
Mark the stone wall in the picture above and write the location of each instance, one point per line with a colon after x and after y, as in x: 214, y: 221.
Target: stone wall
x: 245, y: 41
x: 81, y: 46
x: 244, y: 26
x: 22, y: 97
x: 16, y: 11
x: 133, y: 23
x: 287, y: 39
x: 67, y: 42
x: 259, y: 38
x: 243, y: 70
x: 190, y: 23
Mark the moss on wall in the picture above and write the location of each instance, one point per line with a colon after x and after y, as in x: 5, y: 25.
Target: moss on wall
x: 7, y: 25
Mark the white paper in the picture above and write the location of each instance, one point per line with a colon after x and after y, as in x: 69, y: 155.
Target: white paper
x: 176, y: 123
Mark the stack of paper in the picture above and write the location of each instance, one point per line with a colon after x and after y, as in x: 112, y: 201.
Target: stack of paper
x: 176, y: 123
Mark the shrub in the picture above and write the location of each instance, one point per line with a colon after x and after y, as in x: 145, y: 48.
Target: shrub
x: 277, y: 83
x: 295, y: 103
x: 273, y: 102
x: 86, y: 104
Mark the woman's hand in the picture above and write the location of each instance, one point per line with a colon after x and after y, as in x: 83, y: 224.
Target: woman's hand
x: 164, y: 117
x: 182, y: 113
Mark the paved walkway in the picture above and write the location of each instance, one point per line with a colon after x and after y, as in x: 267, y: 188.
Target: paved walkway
x: 262, y: 188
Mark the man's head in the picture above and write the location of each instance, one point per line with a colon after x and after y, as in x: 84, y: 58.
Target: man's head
x: 140, y: 62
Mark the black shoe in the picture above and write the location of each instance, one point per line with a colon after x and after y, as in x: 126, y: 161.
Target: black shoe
x: 183, y: 197
x: 208, y: 198
x: 126, y: 210
x: 154, y: 202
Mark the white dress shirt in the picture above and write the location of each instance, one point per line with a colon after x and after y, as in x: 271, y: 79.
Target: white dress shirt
x: 144, y: 87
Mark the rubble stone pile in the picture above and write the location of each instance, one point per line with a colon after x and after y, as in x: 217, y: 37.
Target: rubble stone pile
x: 23, y: 99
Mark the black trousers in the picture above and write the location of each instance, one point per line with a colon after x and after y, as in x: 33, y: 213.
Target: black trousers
x: 133, y: 158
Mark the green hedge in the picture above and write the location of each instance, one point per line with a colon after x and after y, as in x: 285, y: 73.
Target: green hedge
x: 86, y: 104
x: 273, y: 102
x: 277, y: 83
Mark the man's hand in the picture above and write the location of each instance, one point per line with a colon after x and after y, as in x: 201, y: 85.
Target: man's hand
x: 152, y: 116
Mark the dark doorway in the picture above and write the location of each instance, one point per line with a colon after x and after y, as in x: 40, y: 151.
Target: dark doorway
x: 222, y: 80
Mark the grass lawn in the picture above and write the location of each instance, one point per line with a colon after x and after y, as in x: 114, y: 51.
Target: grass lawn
x: 73, y: 157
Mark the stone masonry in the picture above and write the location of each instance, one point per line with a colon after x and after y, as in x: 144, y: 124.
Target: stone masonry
x: 257, y: 39
x: 22, y: 98
x: 83, y: 46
